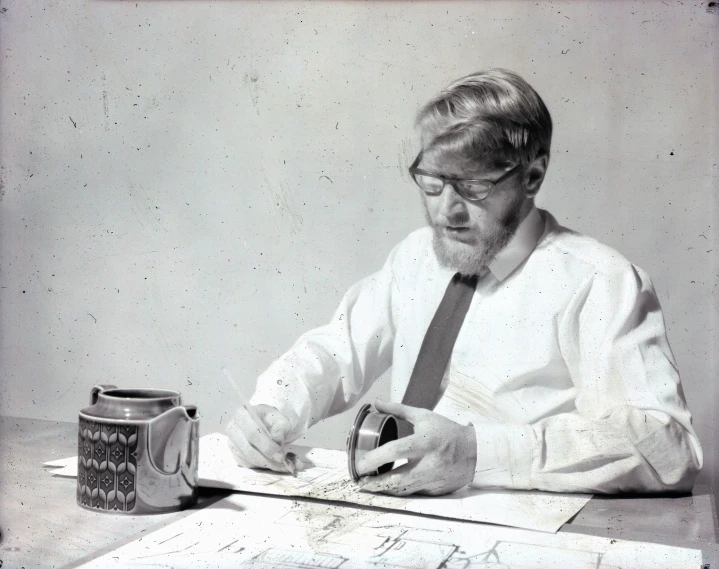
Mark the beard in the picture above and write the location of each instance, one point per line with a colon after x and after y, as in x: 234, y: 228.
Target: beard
x: 473, y: 258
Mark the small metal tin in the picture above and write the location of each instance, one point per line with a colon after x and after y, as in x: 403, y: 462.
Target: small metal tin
x: 371, y: 429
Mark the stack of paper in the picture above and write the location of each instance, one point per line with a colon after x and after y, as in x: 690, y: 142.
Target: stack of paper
x: 243, y: 530
x: 325, y: 477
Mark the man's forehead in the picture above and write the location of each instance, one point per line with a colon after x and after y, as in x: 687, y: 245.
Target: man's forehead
x: 426, y: 135
x: 452, y: 156
x: 454, y: 162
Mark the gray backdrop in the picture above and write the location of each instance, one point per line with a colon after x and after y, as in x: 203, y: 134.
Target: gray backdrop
x: 190, y: 185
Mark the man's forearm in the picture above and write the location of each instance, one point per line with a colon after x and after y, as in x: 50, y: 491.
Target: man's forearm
x: 568, y: 453
x: 329, y: 368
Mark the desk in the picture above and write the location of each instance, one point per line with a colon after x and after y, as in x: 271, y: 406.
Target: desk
x: 44, y: 528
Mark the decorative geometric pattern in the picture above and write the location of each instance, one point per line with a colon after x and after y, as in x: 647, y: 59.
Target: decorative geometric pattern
x: 107, y: 465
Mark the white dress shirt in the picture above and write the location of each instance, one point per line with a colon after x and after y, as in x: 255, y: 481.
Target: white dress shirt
x: 562, y: 364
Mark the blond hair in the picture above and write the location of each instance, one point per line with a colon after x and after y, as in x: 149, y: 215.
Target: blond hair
x: 492, y: 114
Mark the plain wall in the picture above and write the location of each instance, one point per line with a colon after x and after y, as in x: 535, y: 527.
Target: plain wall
x: 190, y: 185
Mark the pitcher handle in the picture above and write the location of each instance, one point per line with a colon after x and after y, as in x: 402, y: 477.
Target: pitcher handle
x: 96, y: 390
x: 190, y: 450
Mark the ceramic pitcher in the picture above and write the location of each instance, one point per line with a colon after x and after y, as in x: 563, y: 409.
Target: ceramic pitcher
x: 137, y: 451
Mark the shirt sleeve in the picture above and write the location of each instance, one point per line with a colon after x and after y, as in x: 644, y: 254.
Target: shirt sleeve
x: 329, y: 368
x: 631, y: 430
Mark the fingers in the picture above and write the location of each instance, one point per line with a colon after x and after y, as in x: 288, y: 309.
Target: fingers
x: 397, y: 482
x: 277, y: 424
x: 411, y: 414
x: 294, y: 462
x: 389, y: 452
x: 409, y: 447
x: 252, y: 440
x: 409, y: 479
x: 249, y: 457
x: 257, y: 434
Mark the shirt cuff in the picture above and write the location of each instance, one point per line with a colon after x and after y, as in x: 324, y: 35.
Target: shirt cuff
x: 504, y: 456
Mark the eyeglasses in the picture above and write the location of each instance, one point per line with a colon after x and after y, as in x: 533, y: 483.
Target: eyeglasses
x: 470, y: 190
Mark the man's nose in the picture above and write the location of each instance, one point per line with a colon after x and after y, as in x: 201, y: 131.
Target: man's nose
x: 450, y: 202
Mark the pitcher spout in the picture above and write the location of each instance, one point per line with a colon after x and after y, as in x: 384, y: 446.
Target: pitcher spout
x: 170, y: 438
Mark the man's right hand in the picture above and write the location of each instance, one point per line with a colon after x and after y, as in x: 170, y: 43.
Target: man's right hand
x: 250, y: 445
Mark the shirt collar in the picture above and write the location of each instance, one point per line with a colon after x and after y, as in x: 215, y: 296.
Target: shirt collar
x: 519, y: 247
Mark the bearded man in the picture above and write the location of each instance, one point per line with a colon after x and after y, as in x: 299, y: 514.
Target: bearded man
x: 524, y: 355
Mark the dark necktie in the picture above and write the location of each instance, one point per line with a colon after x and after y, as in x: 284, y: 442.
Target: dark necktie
x: 438, y: 343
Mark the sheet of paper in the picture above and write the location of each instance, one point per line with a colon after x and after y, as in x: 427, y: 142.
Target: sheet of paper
x: 60, y: 462
x: 260, y: 531
x: 325, y: 477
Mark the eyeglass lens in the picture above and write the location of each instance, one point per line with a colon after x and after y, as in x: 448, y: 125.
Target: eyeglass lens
x: 468, y: 189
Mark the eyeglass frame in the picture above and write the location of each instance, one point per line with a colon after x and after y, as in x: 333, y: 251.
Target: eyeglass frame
x: 455, y: 181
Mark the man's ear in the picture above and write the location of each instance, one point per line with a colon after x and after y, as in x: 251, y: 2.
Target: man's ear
x: 534, y: 174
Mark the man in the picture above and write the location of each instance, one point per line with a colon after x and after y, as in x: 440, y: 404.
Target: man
x: 531, y: 357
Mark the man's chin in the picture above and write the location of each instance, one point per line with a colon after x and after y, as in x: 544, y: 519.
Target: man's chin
x: 453, y: 246
x: 466, y: 258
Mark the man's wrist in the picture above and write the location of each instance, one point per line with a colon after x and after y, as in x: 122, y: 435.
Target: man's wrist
x: 504, y: 456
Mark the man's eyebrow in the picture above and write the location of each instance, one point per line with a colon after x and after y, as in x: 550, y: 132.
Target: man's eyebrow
x: 482, y: 173
x: 489, y: 176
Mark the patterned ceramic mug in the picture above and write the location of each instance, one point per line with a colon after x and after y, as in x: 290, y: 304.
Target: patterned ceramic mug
x: 137, y: 451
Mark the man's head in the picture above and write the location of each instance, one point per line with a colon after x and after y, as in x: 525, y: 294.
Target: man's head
x: 490, y: 127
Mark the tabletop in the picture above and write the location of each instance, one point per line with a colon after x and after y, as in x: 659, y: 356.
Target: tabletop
x: 43, y: 527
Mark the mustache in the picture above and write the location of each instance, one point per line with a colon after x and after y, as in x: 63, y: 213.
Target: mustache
x: 454, y: 220
x: 509, y: 220
x: 457, y: 219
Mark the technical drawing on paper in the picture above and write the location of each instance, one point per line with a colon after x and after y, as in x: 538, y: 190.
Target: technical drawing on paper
x: 326, y: 478
x: 508, y: 554
x: 260, y: 531
x: 296, y: 559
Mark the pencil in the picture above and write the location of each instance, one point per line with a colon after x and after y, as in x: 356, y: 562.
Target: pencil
x: 288, y: 462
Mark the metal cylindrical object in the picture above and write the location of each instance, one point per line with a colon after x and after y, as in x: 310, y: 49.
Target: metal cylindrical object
x: 371, y: 429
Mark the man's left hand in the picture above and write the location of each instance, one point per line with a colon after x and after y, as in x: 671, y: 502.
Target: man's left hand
x: 441, y: 455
